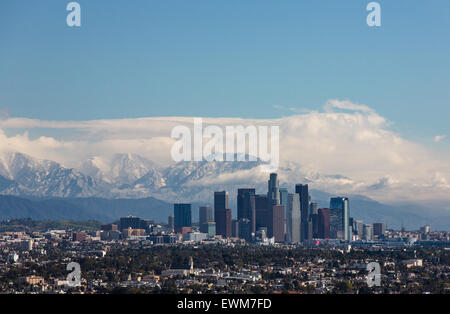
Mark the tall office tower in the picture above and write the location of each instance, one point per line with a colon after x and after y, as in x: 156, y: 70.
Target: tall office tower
x: 358, y: 227
x: 130, y: 222
x: 221, y: 199
x: 183, y: 217
x: 284, y: 201
x: 314, y: 218
x: 337, y: 223
x: 222, y: 214
x: 302, y: 190
x: 368, y: 232
x: 309, y: 235
x: 205, y: 216
x: 340, y: 209
x: 235, y: 228
x: 171, y: 223
x: 273, y: 193
x: 313, y: 208
x: 324, y: 223
x: 284, y: 197
x: 379, y: 229
x: 261, y: 207
x: 275, y: 226
x: 245, y: 229
x: 247, y: 209
x: 293, y: 218
x: 425, y: 229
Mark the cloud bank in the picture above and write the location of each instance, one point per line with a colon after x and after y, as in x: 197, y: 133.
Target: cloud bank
x: 349, y: 140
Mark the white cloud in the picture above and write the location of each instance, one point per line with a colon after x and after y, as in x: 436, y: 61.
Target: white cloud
x: 439, y: 138
x: 347, y: 139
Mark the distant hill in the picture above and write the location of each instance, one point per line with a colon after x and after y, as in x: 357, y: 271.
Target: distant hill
x: 104, y: 210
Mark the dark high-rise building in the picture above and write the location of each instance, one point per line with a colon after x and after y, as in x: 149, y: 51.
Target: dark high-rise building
x: 379, y: 229
x: 247, y: 209
x: 205, y: 216
x: 183, y: 216
x: 323, y: 223
x: 245, y: 229
x: 302, y: 190
x: 284, y: 199
x: 223, y: 222
x: 222, y: 214
x: 171, y: 223
x: 109, y: 227
x: 339, y: 218
x: 261, y: 206
x: 313, y: 208
x: 221, y: 199
x: 309, y: 235
x: 276, y: 223
x: 130, y: 222
x: 242, y: 210
x: 235, y: 228
x: 337, y: 223
x: 273, y: 194
x: 314, y: 218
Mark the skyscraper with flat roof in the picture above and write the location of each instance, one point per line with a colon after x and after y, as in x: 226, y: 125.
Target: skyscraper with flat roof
x: 205, y: 216
x: 293, y: 218
x: 379, y: 228
x: 221, y: 199
x: 130, y: 222
x: 261, y: 206
x: 339, y: 217
x: 183, y: 217
x: 222, y: 214
x: 275, y: 226
x: 302, y: 190
x: 247, y: 210
x: 324, y: 223
x: 273, y: 194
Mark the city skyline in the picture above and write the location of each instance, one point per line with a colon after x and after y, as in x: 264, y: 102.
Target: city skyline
x: 279, y: 216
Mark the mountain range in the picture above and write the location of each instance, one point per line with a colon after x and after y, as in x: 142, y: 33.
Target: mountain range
x: 127, y: 184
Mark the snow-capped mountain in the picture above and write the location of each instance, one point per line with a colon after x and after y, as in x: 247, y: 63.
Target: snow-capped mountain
x: 122, y: 169
x: 132, y: 176
x: 33, y: 177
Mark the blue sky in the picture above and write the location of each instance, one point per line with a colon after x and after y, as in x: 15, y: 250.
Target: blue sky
x: 226, y: 58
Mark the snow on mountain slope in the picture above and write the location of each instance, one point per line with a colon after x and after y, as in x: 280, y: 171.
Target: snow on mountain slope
x: 33, y: 177
x: 121, y: 169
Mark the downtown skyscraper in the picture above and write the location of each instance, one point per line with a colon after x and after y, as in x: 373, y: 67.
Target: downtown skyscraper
x: 339, y: 218
x: 222, y: 214
x: 246, y: 213
x: 293, y: 218
x: 183, y: 217
x: 302, y: 191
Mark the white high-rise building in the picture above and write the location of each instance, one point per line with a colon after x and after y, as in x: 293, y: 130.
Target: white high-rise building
x: 293, y: 219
